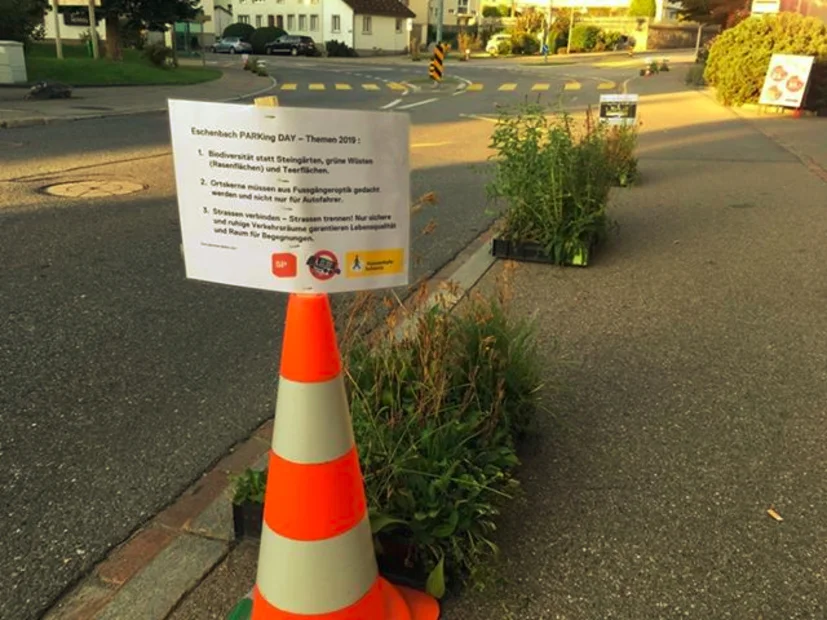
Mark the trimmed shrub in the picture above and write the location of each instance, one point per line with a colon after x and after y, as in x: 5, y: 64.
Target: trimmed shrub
x: 642, y: 8
x: 242, y: 31
x: 158, y: 54
x: 263, y: 36
x: 501, y: 10
x: 739, y: 57
x: 524, y: 43
x: 584, y: 37
x: 608, y: 40
x: 505, y: 47
x: 339, y: 49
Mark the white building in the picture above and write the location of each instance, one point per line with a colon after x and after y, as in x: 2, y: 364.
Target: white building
x: 368, y: 26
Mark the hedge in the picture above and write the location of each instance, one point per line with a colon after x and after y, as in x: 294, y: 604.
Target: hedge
x: 263, y: 36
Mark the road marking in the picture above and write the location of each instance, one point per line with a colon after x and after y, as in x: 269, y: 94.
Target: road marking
x: 480, y: 118
x: 370, y: 87
x: 474, y: 87
x: 606, y: 86
x: 288, y: 86
x: 507, y: 87
x: 418, y: 103
x: 392, y: 104
x: 540, y: 87
x: 343, y: 87
x: 572, y: 86
x: 316, y: 86
x: 395, y: 86
x: 426, y: 145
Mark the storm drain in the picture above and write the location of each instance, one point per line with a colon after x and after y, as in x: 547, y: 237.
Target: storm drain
x: 94, y: 189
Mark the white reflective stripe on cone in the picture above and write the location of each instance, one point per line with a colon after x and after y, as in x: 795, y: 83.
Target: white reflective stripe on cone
x: 312, y: 423
x: 316, y: 577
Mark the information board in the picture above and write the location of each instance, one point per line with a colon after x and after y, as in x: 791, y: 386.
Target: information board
x: 618, y: 109
x: 292, y: 199
x: 786, y: 80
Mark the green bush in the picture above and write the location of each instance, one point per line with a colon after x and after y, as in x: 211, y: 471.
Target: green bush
x: 607, y: 40
x: 555, y: 181
x: 584, y: 37
x: 436, y: 417
x: 157, y: 53
x: 739, y: 57
x: 263, y: 36
x: 642, y: 8
x: 339, y: 49
x: 505, y: 47
x: 243, y: 31
x: 524, y: 43
x: 501, y: 10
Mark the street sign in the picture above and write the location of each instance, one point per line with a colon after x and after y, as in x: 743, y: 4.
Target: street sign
x: 292, y: 199
x: 618, y: 109
x: 786, y: 80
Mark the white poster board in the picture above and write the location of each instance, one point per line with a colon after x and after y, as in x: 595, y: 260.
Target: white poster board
x: 292, y: 199
x: 765, y: 7
x: 618, y: 109
x: 786, y: 80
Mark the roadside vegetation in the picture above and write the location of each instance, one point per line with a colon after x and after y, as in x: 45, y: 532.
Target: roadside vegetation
x: 138, y: 67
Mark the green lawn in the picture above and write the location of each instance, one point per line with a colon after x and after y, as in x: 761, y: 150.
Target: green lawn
x: 77, y: 69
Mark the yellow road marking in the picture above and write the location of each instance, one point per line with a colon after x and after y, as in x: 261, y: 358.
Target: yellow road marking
x: 540, y: 87
x: 424, y: 145
x: 288, y: 86
x: 343, y: 87
x: 395, y: 86
x: 606, y: 86
x: 370, y: 87
x: 316, y: 87
x: 474, y: 87
x: 572, y: 86
x: 508, y: 87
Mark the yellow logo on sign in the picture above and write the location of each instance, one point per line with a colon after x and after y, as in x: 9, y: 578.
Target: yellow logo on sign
x: 374, y: 263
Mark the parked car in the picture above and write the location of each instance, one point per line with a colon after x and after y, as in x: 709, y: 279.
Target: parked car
x: 231, y: 45
x: 493, y: 45
x: 292, y: 44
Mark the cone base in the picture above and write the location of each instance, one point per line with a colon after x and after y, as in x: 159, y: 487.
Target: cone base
x: 403, y: 603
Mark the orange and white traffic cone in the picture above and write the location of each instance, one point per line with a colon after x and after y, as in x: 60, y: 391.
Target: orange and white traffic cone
x: 316, y: 560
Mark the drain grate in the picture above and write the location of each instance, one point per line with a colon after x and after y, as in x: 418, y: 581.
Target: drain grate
x: 94, y: 189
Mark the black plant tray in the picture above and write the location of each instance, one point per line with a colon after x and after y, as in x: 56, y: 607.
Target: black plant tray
x: 247, y: 518
x: 533, y: 252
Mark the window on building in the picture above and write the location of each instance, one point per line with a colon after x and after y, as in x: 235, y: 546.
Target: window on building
x: 336, y: 23
x: 258, y: 21
x: 303, y: 23
x: 280, y: 22
x: 367, y: 24
x: 271, y: 20
x: 291, y: 23
x: 243, y: 19
x: 398, y: 25
x: 314, y: 23
x: 462, y: 6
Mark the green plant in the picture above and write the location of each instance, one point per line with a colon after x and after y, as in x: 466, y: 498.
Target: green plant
x: 739, y: 57
x: 263, y: 36
x: 621, y: 143
x: 436, y: 415
x: 21, y: 19
x: 243, y: 31
x: 524, y: 43
x: 608, y: 40
x: 584, y: 37
x: 642, y: 8
x: 339, y: 49
x: 504, y: 47
x: 695, y: 76
x: 158, y: 54
x: 555, y: 181
x: 249, y: 486
x: 501, y: 10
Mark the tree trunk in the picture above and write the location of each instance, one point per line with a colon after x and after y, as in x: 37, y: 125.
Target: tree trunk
x: 113, y: 37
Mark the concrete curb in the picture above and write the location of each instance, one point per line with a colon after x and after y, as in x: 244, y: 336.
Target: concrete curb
x: 181, y: 545
x: 50, y: 120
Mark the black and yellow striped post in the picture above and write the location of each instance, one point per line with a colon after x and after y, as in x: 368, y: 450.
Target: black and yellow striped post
x: 436, y: 67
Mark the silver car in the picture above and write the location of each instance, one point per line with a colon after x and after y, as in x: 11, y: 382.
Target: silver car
x: 231, y: 45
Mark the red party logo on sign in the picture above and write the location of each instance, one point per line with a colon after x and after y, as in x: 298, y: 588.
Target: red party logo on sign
x: 323, y: 265
x: 285, y: 265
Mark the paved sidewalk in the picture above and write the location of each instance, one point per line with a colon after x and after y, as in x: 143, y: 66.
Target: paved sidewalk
x: 94, y: 102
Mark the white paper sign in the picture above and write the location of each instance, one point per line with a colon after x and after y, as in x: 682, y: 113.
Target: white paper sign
x: 618, y: 109
x: 292, y: 199
x: 786, y: 80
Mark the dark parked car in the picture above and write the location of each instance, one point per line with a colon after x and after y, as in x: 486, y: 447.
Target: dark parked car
x: 293, y: 45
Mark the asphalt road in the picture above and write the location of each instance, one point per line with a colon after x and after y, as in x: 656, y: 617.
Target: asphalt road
x: 121, y: 380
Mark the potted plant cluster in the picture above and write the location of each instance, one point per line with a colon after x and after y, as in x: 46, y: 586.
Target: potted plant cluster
x: 554, y: 176
x: 248, y: 503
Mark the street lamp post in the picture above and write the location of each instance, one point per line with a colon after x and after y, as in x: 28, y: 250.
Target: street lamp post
x: 571, y: 28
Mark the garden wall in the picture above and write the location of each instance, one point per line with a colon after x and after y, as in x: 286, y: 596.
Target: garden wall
x: 678, y: 36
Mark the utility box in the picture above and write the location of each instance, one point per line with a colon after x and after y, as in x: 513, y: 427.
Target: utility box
x: 12, y: 63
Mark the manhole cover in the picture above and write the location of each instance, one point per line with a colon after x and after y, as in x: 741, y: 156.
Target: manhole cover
x: 93, y: 189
